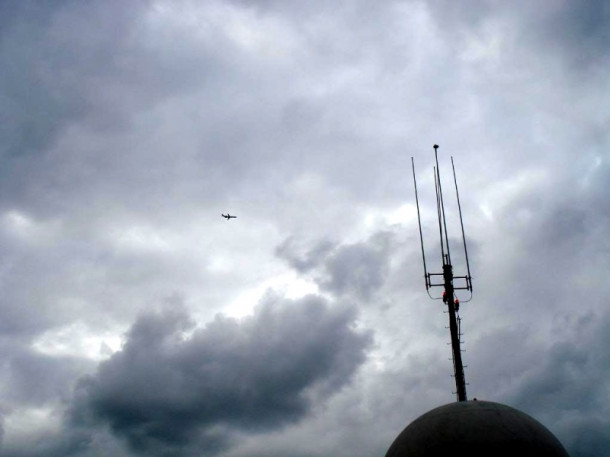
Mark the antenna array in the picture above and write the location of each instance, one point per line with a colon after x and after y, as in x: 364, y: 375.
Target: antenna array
x: 449, y: 293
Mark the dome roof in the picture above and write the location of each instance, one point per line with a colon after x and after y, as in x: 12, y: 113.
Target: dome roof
x: 473, y: 427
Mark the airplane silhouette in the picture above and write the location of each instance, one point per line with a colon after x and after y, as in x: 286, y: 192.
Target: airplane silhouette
x: 228, y: 216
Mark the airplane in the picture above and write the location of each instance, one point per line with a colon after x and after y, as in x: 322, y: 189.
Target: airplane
x: 228, y: 216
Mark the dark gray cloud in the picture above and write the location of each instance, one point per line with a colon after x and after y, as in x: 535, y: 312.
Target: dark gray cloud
x: 36, y: 379
x: 86, y: 72
x: 360, y: 268
x: 304, y: 259
x: 31, y: 380
x: 538, y: 333
x: 32, y: 110
x: 565, y: 389
x: 575, y: 31
x: 50, y: 445
x: 165, y: 392
x: 55, y: 59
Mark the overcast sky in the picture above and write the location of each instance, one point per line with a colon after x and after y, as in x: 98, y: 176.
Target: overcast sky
x: 135, y: 321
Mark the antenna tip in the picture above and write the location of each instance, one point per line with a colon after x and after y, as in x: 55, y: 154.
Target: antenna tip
x: 435, y: 146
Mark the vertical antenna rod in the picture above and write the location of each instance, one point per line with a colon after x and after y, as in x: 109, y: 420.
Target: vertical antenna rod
x: 421, y: 237
x: 439, y: 216
x: 440, y: 192
x: 457, y: 194
x: 449, y: 296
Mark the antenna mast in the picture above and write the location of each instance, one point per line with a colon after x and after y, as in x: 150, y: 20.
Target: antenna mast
x: 449, y: 295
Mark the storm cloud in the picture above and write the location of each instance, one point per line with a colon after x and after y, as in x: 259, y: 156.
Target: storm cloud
x: 165, y: 391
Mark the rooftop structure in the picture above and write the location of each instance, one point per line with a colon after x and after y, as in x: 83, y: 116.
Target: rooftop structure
x: 473, y: 428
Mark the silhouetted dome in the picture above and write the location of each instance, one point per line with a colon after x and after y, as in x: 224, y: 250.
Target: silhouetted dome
x: 472, y: 428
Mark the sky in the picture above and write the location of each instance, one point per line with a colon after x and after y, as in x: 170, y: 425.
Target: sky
x: 136, y: 321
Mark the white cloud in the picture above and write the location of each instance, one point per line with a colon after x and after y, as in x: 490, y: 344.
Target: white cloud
x: 77, y: 340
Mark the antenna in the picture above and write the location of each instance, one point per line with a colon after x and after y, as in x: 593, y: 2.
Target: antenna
x: 421, y: 237
x: 449, y: 295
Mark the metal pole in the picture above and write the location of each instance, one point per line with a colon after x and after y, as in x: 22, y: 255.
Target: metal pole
x: 460, y: 381
x: 439, y: 215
